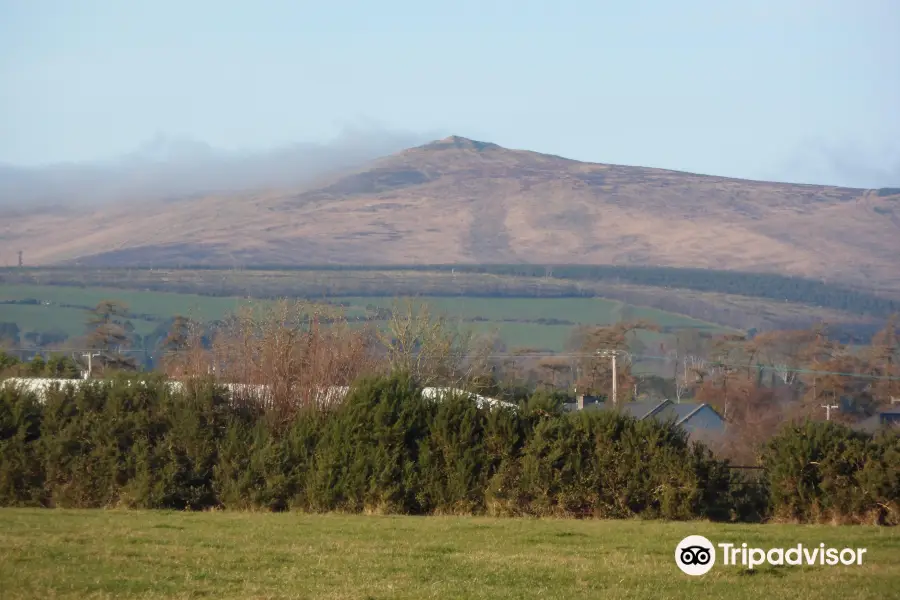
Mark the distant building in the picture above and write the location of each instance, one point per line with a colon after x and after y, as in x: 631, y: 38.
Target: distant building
x: 691, y: 416
x: 323, y: 395
x: 582, y: 401
x: 881, y: 420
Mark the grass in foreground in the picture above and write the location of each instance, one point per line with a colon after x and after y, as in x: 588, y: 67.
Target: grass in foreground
x: 113, y: 554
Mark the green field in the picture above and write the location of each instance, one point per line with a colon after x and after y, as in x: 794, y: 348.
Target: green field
x: 139, y: 302
x: 514, y: 319
x: 577, y: 310
x: 729, y: 299
x: 60, y: 315
x: 120, y: 554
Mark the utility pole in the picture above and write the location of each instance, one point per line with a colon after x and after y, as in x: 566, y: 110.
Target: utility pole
x: 20, y: 258
x: 614, y: 381
x: 828, y: 408
x: 88, y: 356
x: 612, y: 354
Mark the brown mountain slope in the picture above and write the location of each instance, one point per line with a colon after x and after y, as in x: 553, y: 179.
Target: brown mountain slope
x: 460, y: 201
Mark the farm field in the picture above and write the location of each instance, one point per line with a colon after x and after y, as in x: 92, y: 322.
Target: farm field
x: 161, y: 304
x: 122, y: 554
x: 726, y: 309
x: 520, y: 322
x: 577, y: 310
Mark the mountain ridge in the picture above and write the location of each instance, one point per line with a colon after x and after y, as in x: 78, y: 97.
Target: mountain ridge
x: 463, y: 201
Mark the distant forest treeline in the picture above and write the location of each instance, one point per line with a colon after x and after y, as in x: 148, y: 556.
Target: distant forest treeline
x: 755, y: 285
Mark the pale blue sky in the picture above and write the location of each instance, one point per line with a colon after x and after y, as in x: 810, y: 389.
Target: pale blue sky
x: 788, y: 89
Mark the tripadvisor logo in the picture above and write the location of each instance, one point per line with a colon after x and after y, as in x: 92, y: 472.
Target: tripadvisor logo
x: 696, y: 555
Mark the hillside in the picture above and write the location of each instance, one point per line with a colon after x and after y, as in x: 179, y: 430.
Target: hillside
x: 461, y: 201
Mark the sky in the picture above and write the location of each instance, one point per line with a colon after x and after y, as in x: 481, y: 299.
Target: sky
x: 793, y: 90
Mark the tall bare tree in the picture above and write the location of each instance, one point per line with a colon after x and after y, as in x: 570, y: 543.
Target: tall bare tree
x: 783, y: 352
x: 432, y: 349
x: 884, y: 355
x: 554, y: 371
x: 289, y: 355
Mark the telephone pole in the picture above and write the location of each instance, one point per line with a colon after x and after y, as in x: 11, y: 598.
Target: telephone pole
x: 828, y: 408
x: 612, y: 354
x: 88, y: 356
x: 615, y: 380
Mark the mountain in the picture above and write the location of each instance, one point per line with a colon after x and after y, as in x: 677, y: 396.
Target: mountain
x: 457, y: 200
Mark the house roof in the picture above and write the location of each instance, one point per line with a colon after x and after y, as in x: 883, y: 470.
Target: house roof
x: 638, y: 410
x: 664, y: 410
x: 480, y: 401
x: 682, y: 411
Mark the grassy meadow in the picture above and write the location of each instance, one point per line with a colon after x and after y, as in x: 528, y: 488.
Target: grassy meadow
x: 520, y: 322
x: 125, y: 554
x: 727, y: 298
x: 158, y: 304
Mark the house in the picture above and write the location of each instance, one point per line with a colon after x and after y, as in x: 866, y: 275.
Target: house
x: 881, y: 420
x: 432, y: 393
x: 582, y: 401
x: 691, y: 416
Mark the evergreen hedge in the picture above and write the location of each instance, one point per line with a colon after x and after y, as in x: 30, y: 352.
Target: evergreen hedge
x: 821, y: 471
x: 386, y: 449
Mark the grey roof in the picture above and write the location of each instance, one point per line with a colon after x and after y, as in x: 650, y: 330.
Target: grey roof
x: 638, y: 410
x: 679, y: 412
x: 661, y: 410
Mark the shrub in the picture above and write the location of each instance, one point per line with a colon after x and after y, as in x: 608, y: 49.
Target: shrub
x: 454, y: 464
x: 821, y: 471
x: 387, y: 449
x: 608, y: 465
x: 879, y: 479
x: 367, y: 457
x: 21, y: 472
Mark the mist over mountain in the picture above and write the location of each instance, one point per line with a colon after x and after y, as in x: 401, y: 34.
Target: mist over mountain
x: 171, y: 167
x: 846, y: 164
x: 458, y: 200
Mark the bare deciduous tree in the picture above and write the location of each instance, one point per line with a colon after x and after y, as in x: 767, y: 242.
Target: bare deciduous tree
x: 433, y: 350
x: 288, y: 355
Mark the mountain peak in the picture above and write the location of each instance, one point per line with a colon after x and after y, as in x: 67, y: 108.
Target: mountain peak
x: 461, y: 143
